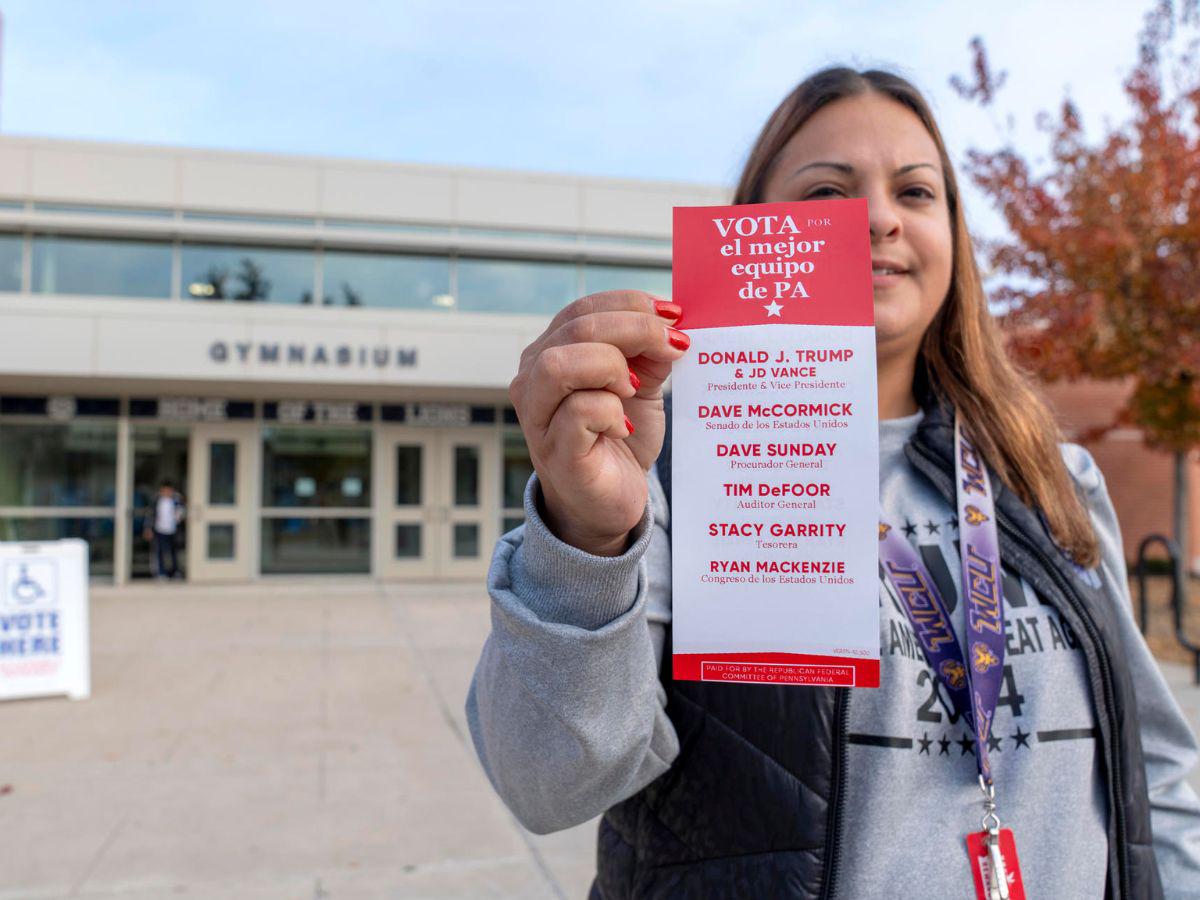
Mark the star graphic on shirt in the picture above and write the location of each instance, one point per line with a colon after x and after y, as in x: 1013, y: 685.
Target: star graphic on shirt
x: 944, y: 744
x: 933, y: 527
x: 924, y: 740
x: 993, y: 743
x: 910, y: 530
x: 953, y: 522
x: 1022, y: 737
x: 773, y: 309
x: 967, y: 745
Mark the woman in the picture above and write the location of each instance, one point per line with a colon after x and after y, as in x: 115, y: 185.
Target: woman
x: 712, y: 790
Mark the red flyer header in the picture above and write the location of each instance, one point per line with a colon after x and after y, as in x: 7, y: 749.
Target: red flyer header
x: 803, y: 263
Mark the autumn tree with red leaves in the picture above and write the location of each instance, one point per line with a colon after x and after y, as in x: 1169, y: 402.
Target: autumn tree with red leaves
x: 1100, y: 274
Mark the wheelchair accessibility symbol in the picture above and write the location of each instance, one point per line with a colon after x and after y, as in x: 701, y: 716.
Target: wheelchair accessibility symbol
x: 30, y: 582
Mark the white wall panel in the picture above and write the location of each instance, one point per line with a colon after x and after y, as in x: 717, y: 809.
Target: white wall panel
x: 518, y: 202
x: 39, y: 344
x: 160, y: 341
x: 124, y: 177
x: 387, y: 193
x: 639, y: 209
x: 14, y: 170
x: 244, y: 185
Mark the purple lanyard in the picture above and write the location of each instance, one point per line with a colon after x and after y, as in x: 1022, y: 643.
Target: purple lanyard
x: 974, y: 689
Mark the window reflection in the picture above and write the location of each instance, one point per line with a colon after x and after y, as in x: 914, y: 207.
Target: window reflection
x: 466, y: 540
x: 11, y: 246
x: 63, y: 265
x: 408, y: 540
x: 509, y: 286
x: 222, y: 473
x: 619, y: 278
x: 98, y: 532
x: 249, y: 274
x: 394, y: 281
x: 222, y: 540
x: 466, y: 476
x: 517, y: 469
x: 408, y: 474
x: 316, y: 546
x: 58, y: 465
x: 316, y: 467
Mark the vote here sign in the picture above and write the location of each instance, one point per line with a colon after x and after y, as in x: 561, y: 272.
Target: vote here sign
x: 44, y: 646
x: 775, y: 465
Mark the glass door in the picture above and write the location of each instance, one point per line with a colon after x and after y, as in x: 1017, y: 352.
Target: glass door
x: 439, y: 502
x: 160, y: 457
x: 406, y: 461
x: 222, y: 468
x: 470, y: 496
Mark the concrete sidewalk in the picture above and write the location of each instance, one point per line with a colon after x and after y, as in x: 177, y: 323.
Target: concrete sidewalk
x: 281, y: 740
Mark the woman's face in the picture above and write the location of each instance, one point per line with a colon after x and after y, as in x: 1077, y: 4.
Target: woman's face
x: 871, y: 146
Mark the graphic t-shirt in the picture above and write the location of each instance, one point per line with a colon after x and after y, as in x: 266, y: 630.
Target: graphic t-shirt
x: 912, y: 774
x: 164, y: 515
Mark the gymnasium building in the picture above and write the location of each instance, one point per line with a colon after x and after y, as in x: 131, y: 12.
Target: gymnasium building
x: 315, y: 352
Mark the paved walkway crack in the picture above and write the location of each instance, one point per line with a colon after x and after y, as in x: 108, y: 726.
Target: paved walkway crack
x: 112, y: 835
x: 406, y: 630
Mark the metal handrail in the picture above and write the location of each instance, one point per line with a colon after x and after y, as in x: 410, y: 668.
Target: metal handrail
x: 1178, y: 596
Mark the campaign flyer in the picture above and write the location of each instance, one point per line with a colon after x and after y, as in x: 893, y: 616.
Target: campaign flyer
x: 775, y: 463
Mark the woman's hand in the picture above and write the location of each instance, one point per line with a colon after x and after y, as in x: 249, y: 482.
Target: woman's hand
x: 589, y: 397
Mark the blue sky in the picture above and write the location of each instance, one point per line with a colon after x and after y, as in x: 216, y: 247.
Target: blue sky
x: 650, y: 89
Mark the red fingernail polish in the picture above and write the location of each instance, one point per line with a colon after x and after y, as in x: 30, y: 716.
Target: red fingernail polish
x: 678, y: 339
x: 634, y: 380
x: 668, y: 310
x: 629, y: 424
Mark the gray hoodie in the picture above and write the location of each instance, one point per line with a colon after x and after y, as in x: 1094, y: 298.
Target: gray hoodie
x: 568, y: 716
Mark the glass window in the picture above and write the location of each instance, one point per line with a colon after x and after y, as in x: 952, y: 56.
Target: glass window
x: 249, y: 274
x: 220, y: 541
x: 511, y: 522
x: 239, y: 219
x: 620, y: 278
x: 466, y: 476
x: 72, y: 464
x: 466, y: 540
x: 627, y: 241
x: 316, y: 467
x: 558, y: 237
x: 499, y: 285
x: 408, y: 540
x: 517, y: 469
x: 98, y: 532
x: 222, y: 473
x: 128, y: 211
x: 408, y: 475
x: 316, y: 546
x: 68, y: 265
x: 11, y: 246
x: 395, y: 281
x: 401, y: 227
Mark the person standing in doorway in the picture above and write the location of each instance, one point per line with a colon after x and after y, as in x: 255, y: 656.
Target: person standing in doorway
x: 162, y: 526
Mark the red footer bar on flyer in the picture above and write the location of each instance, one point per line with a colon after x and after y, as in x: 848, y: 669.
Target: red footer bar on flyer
x: 776, y: 668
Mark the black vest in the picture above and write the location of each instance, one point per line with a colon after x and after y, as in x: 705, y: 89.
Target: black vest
x: 754, y: 806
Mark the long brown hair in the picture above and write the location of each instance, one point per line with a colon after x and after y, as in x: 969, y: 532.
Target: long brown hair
x: 962, y: 354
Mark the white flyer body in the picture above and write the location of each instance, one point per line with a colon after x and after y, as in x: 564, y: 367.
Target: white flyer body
x: 775, y: 478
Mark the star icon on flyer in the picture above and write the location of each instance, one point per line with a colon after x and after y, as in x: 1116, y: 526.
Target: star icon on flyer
x: 773, y: 309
